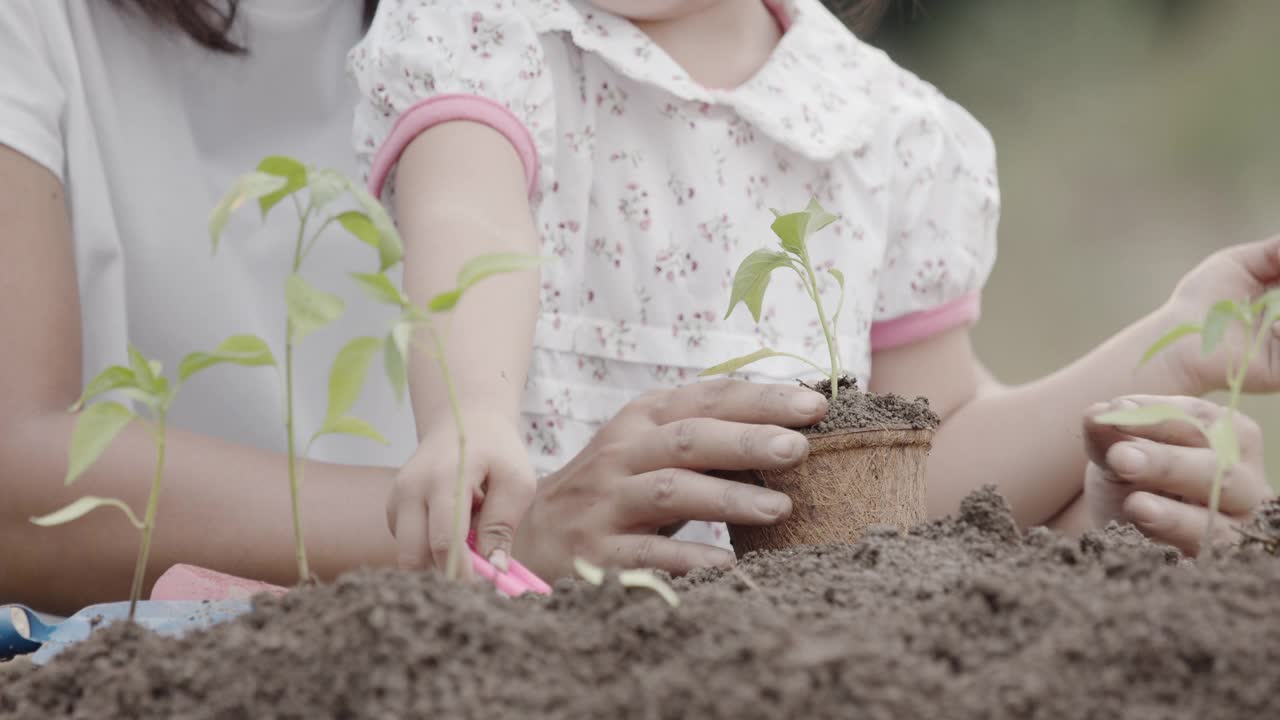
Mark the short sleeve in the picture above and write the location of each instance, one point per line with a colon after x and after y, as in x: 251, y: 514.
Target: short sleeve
x: 944, y: 210
x: 32, y: 94
x: 427, y: 62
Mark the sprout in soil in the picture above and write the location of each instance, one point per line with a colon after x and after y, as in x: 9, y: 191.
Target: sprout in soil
x: 309, y: 308
x: 1255, y: 319
x: 628, y: 578
x: 752, y: 279
x: 396, y: 352
x: 98, y: 424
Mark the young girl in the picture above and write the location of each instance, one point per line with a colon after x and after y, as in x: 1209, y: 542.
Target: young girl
x: 641, y: 145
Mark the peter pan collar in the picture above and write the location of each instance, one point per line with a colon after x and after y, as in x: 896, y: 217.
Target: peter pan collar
x: 814, y: 94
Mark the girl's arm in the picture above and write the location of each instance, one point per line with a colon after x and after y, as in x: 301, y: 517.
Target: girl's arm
x: 1028, y: 439
x: 462, y: 191
x: 223, y: 506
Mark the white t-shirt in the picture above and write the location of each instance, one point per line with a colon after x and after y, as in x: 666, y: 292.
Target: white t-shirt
x: 147, y: 131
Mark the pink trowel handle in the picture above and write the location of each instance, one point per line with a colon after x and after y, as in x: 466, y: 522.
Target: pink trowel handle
x: 515, y: 582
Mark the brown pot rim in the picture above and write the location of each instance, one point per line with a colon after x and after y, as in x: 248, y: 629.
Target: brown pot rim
x: 848, y: 438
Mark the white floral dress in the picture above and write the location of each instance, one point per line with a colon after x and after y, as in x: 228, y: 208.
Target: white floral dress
x: 650, y: 189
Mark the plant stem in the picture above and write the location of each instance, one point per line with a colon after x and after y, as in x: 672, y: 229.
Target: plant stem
x: 462, y: 506
x: 826, y: 327
x: 149, y: 520
x: 299, y: 544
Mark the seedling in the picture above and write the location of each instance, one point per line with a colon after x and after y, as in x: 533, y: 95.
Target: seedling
x: 396, y: 352
x: 98, y: 425
x: 628, y: 578
x: 1255, y: 319
x: 752, y: 279
x: 308, y: 307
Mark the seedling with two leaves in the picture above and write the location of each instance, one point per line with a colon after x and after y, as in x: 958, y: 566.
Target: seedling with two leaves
x: 97, y: 425
x: 752, y: 280
x: 1255, y: 319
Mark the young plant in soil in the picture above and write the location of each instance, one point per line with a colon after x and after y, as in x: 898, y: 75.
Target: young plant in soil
x: 752, y: 280
x: 397, y: 346
x: 98, y: 425
x: 309, y: 308
x: 1255, y: 320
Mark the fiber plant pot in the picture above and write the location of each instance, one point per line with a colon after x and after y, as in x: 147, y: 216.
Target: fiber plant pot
x: 866, y: 466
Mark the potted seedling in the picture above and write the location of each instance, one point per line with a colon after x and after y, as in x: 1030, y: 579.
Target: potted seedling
x: 866, y: 463
x: 1255, y: 319
x: 98, y: 424
x: 310, y: 308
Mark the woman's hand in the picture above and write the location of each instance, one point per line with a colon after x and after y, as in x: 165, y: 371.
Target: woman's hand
x: 645, y: 471
x: 1159, y: 477
x: 1241, y: 273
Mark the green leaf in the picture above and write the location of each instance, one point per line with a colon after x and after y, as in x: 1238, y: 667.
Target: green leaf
x: 1145, y: 415
x: 1223, y: 440
x: 145, y: 371
x: 1168, y: 339
x: 310, y: 308
x: 294, y: 174
x: 113, y: 378
x: 738, y: 363
x: 347, y: 425
x: 1216, y: 322
x: 752, y: 279
x: 395, y: 358
x: 96, y: 426
x: 82, y: 507
x: 444, y: 301
x: 839, y: 276
x: 326, y: 186
x: 359, y: 224
x: 246, y: 187
x: 1269, y: 301
x: 244, y: 350
x: 478, y: 268
x: 346, y: 378
x: 379, y: 287
x: 794, y: 229
x: 390, y: 246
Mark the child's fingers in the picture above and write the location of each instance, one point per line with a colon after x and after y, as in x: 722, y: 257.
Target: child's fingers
x: 441, y: 531
x: 1172, y: 432
x: 1175, y: 523
x: 1260, y: 259
x: 410, y: 530
x: 510, y: 492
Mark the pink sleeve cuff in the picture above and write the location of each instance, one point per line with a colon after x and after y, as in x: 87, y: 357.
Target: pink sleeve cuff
x: 918, y: 326
x: 426, y: 114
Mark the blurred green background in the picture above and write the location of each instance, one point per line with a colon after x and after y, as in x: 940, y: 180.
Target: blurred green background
x: 1135, y: 138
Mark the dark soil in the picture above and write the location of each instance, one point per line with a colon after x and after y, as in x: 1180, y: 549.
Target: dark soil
x: 1263, y: 530
x: 856, y: 410
x: 962, y: 618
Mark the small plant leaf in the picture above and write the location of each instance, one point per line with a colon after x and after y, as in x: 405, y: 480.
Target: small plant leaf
x: 294, y: 174
x: 839, y: 276
x: 1224, y: 442
x: 326, y: 186
x: 380, y: 288
x: 247, y: 187
x: 113, y: 378
x: 649, y: 580
x: 82, y: 507
x: 1168, y: 339
x: 359, y: 224
x: 587, y: 571
x: 244, y: 350
x: 390, y: 246
x: 144, y: 371
x: 1145, y: 415
x: 478, y: 268
x: 794, y: 229
x: 346, y: 378
x: 353, y: 426
x: 752, y: 280
x: 310, y: 308
x: 96, y: 426
x: 445, y: 301
x: 1269, y: 302
x: 738, y: 363
x: 1215, y: 324
x: 395, y: 358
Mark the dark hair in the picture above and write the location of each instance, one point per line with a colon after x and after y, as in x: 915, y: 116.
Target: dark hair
x: 207, y: 22
x: 861, y: 15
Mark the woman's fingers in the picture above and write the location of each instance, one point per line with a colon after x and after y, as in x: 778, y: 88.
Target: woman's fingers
x: 1187, y: 473
x: 738, y: 401
x: 672, y: 495
x: 707, y: 444
x: 1175, y: 523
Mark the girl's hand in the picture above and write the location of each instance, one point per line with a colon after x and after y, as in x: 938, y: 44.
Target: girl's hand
x: 1159, y: 477
x: 1241, y: 273
x: 499, y: 480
